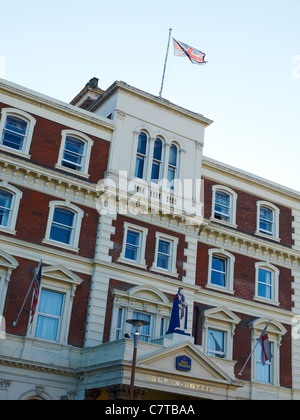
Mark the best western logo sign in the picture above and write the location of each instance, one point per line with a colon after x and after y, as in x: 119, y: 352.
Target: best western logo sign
x: 183, y: 363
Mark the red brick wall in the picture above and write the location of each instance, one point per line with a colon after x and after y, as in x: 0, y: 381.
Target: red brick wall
x: 18, y: 287
x: 117, y: 238
x: 244, y: 277
x: 33, y: 217
x: 46, y: 142
x: 242, y: 346
x: 246, y: 213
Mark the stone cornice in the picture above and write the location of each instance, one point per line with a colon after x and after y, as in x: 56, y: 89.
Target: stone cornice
x: 51, y: 104
x: 47, y: 181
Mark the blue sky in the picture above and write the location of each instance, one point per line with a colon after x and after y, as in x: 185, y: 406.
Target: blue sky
x: 250, y: 87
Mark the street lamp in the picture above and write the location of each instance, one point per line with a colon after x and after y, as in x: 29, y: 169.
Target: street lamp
x: 138, y: 324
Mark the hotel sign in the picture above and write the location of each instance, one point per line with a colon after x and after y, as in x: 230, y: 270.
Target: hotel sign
x: 183, y: 384
x: 183, y: 363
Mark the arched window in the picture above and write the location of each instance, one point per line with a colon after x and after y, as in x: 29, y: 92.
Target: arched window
x: 16, y: 130
x: 75, y: 152
x: 172, y: 166
x: 157, y: 161
x: 224, y: 205
x: 267, y: 220
x: 141, y: 156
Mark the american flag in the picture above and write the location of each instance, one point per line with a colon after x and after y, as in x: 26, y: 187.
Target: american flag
x: 36, y: 292
x: 184, y: 50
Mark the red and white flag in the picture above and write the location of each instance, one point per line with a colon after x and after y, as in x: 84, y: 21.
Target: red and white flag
x: 36, y: 292
x: 184, y: 50
x: 266, y: 353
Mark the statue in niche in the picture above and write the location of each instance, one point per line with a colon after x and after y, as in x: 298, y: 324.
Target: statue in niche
x: 179, y: 315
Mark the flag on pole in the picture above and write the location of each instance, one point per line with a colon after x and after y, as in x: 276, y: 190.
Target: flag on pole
x: 36, y: 292
x: 263, y: 340
x: 184, y: 50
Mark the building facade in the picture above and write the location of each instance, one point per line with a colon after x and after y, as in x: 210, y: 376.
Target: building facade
x: 113, y: 193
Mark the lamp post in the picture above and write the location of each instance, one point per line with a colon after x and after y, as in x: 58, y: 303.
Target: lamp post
x: 138, y: 324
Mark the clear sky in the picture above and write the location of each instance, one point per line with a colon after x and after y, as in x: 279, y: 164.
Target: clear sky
x: 250, y: 88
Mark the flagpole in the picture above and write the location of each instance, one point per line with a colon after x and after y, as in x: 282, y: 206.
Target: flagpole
x: 166, y: 59
x: 17, y: 320
x: 240, y: 373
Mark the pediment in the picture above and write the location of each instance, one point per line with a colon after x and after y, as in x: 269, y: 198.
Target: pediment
x: 221, y: 313
x: 61, y: 273
x: 7, y: 260
x: 202, y: 367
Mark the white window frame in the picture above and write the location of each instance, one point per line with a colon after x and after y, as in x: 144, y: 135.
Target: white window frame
x: 60, y: 280
x: 224, y: 320
x: 276, y: 212
x: 275, y: 283
x: 87, y: 152
x: 233, y: 202
x: 172, y: 271
x: 77, y: 225
x: 275, y: 333
x: 230, y: 260
x: 145, y: 157
x: 160, y: 163
x: 141, y: 263
x: 31, y: 121
x: 7, y: 265
x: 17, y: 196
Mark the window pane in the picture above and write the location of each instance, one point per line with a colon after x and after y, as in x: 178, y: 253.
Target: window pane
x: 157, y: 153
x: 14, y: 132
x: 164, y: 254
x: 264, y: 283
x: 132, y: 245
x: 62, y: 226
x: 173, y: 155
x: 46, y: 328
x: 5, y: 208
x: 266, y: 214
x: 222, y: 198
x: 49, y: 314
x: 142, y: 144
x: 50, y: 303
x: 155, y: 172
x: 64, y: 217
x: 14, y: 141
x: 73, y: 154
x: 16, y: 125
x: 218, y: 271
x: 133, y: 237
x: 139, y: 167
x: 263, y: 373
x: 164, y: 247
x: 215, y: 343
